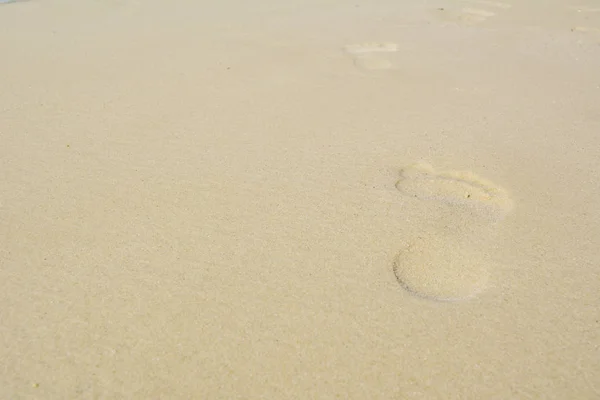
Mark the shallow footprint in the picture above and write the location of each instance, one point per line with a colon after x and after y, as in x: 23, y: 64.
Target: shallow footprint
x: 490, y: 3
x: 449, y: 259
x: 466, y: 16
x: 371, y: 56
x: 586, y: 30
x: 475, y: 15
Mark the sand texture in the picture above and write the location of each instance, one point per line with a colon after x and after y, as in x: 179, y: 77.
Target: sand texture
x: 300, y: 199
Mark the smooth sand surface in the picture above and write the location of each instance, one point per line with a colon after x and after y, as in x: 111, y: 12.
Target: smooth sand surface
x: 299, y: 199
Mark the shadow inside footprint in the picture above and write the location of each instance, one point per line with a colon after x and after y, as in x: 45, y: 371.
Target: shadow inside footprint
x: 449, y: 260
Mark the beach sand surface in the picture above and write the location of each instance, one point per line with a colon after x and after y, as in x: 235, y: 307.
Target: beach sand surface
x: 299, y: 199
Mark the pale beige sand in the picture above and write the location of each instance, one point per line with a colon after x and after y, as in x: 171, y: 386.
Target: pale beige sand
x: 205, y: 199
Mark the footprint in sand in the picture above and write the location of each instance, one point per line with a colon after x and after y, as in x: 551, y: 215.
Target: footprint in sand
x: 372, y: 56
x: 449, y: 260
x: 482, y: 11
x: 586, y: 30
x: 590, y: 16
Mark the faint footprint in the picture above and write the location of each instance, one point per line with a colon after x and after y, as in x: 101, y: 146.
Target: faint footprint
x: 470, y: 15
x: 371, y: 56
x: 495, y: 4
x: 590, y: 33
x: 448, y: 260
x: 475, y: 15
x: 586, y: 29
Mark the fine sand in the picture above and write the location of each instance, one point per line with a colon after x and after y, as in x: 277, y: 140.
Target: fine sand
x: 299, y: 199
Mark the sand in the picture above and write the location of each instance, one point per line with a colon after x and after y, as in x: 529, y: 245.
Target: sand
x: 299, y: 199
